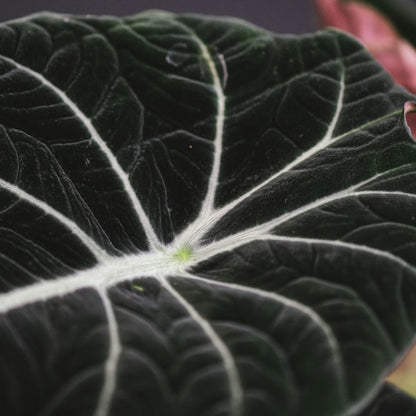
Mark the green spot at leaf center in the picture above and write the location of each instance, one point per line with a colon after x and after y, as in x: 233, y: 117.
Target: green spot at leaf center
x: 183, y: 254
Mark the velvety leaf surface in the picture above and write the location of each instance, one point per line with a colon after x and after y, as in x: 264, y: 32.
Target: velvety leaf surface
x: 199, y: 217
x: 391, y: 402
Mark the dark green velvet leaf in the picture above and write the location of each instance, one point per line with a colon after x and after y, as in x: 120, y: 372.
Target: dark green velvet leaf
x: 199, y: 218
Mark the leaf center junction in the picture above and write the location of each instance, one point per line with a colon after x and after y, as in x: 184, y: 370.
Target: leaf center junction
x: 183, y: 254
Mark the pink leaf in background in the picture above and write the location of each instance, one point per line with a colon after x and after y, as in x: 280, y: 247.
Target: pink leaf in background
x: 394, y: 53
x: 410, y: 117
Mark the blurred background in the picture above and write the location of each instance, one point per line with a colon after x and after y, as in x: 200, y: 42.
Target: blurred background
x: 294, y: 16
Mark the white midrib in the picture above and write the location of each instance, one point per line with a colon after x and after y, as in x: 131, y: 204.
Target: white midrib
x: 121, y: 174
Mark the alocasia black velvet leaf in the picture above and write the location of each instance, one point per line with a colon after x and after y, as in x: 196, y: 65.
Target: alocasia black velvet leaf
x: 199, y: 217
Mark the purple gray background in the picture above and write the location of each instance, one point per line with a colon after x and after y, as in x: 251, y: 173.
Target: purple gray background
x: 284, y: 16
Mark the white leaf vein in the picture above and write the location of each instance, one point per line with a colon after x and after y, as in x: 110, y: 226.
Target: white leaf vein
x: 87, y: 241
x: 208, y: 203
x: 254, y: 232
x: 208, y: 217
x: 114, y: 345
x: 292, y: 304
x: 236, y: 392
x: 121, y: 174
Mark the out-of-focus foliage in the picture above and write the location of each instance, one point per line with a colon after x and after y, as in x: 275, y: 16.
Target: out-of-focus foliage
x: 378, y: 34
x: 405, y: 375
